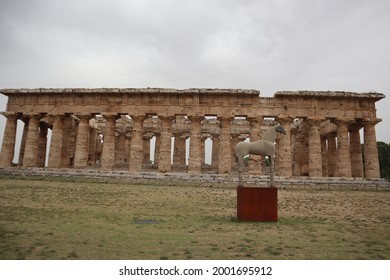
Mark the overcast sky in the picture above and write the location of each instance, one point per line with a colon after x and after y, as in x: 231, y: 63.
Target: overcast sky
x: 267, y: 45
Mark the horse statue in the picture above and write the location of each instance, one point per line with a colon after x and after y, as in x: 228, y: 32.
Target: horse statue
x: 263, y: 147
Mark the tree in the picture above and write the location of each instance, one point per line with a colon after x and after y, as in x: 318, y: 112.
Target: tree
x: 384, y: 159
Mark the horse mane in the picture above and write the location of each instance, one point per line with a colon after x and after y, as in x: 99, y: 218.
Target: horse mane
x: 270, y: 135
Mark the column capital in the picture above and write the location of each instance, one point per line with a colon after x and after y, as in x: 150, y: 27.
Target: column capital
x: 195, y: 118
x: 9, y: 114
x: 315, y: 120
x: 371, y: 121
x: 167, y: 118
x: 108, y: 116
x: 139, y: 118
x: 284, y: 119
x: 343, y: 121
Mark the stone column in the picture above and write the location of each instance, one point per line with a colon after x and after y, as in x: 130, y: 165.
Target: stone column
x: 215, y: 151
x: 255, y: 163
x: 343, y: 148
x: 164, y: 163
x: 284, y: 148
x: 55, y: 153
x: 31, y: 148
x: 234, y: 140
x: 225, y: 155
x: 108, y: 152
x: 147, y: 138
x: 82, y: 142
x: 23, y: 142
x: 315, y: 155
x: 157, y: 149
x: 195, y: 160
x: 42, y: 144
x: 8, y: 148
x: 356, y: 151
x: 137, y: 144
x: 332, y: 155
x: 92, y: 146
x: 324, y: 156
x: 179, y: 152
x: 371, y: 161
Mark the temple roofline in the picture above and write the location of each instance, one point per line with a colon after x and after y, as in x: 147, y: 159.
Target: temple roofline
x: 14, y: 91
x: 306, y: 93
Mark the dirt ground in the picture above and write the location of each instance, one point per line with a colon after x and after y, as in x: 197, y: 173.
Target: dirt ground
x: 73, y: 220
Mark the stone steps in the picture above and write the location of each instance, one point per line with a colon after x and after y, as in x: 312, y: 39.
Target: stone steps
x: 188, y: 179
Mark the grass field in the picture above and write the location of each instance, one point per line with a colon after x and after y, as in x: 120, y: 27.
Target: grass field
x: 73, y: 220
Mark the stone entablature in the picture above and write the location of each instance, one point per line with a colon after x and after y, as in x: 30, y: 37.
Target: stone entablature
x: 113, y: 129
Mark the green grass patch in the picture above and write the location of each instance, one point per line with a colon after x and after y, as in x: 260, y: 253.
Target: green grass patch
x: 57, y: 219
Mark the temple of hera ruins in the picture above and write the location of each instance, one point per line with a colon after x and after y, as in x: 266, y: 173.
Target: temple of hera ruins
x: 166, y: 130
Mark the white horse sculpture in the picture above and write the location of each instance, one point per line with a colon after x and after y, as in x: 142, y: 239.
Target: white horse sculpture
x: 263, y: 147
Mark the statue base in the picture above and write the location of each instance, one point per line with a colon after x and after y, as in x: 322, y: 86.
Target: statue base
x: 255, y: 204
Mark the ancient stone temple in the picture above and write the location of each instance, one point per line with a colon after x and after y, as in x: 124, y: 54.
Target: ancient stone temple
x: 173, y: 131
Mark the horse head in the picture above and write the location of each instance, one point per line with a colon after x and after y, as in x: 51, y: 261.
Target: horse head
x: 280, y: 129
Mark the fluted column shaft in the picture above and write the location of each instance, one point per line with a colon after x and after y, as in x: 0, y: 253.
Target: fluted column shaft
x: 164, y: 163
x: 42, y: 143
x: 55, y: 153
x: 315, y: 154
x: 284, y: 148
x: 8, y: 147
x: 92, y: 146
x: 371, y: 161
x: 225, y: 155
x: 82, y: 142
x: 108, y: 152
x: 255, y: 164
x: 332, y: 155
x: 23, y: 142
x: 195, y: 160
x: 356, y: 152
x: 179, y: 153
x: 137, y: 144
x: 343, y: 149
x: 324, y: 156
x: 31, y: 148
x: 215, y: 151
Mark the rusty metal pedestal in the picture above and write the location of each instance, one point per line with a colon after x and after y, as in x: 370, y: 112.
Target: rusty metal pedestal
x: 255, y: 204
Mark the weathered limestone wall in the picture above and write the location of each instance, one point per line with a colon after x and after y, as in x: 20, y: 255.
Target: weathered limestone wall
x: 112, y: 129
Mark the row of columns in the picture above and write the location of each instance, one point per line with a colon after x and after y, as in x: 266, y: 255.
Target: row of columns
x: 336, y: 155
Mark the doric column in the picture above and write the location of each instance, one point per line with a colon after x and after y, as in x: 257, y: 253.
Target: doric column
x: 108, y: 152
x: 42, y: 143
x: 31, y: 148
x: 164, y: 163
x: 315, y: 154
x: 137, y: 144
x: 179, y: 152
x: 371, y: 161
x: 92, y: 146
x: 215, y: 151
x: 284, y: 148
x: 147, y: 138
x: 332, y: 155
x: 356, y: 151
x: 225, y: 154
x: 23, y: 142
x: 157, y: 149
x: 8, y: 147
x: 343, y: 148
x: 195, y: 160
x: 255, y: 163
x: 324, y: 156
x: 55, y: 153
x: 82, y: 142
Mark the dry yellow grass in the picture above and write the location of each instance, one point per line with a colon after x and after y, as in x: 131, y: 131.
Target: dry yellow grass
x: 91, y: 220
